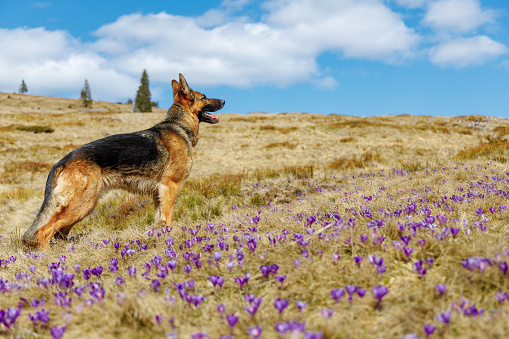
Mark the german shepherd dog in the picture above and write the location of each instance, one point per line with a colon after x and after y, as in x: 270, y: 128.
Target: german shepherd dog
x: 155, y: 161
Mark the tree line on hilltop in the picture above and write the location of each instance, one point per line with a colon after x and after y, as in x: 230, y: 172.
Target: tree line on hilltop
x: 142, y: 102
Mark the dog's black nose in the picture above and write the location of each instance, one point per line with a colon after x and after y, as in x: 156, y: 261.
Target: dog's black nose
x: 222, y: 103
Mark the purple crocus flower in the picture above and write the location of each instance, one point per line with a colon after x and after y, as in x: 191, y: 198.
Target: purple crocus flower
x: 132, y: 271
x: 97, y: 271
x: 216, y: 280
x: 86, y: 273
x: 282, y: 328
x: 255, y: 332
x: 154, y: 285
x: 429, y: 329
x: 79, y: 290
x: 9, y: 316
x: 62, y: 300
x: 337, y: 294
x: 444, y: 317
x: 379, y: 292
x: 374, y: 260
x: 242, y: 280
x: 301, y: 305
x: 479, y: 211
x: 35, y: 303
x: 265, y: 270
x: 406, y: 239
x: 232, y: 320
x: 250, y: 298
x: 251, y: 309
x: 358, y: 260
x: 34, y: 318
x: 441, y: 288
x: 159, y: 319
x: 501, y: 297
x: 57, y: 332
x: 221, y: 308
x: 381, y: 269
x: 419, y: 269
x: 97, y: 291
x: 313, y: 335
x: 455, y: 231
x: 251, y: 244
x: 408, y: 251
x: 351, y: 289
x: 190, y: 284
x: 326, y: 312
x: 503, y: 267
x: 119, y: 281
x: 281, y: 278
x: 281, y: 304
x: 172, y: 264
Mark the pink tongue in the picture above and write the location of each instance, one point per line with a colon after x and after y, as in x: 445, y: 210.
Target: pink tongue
x: 213, y: 116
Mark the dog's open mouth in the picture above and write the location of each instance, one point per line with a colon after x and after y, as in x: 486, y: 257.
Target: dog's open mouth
x: 209, y: 118
x: 206, y: 116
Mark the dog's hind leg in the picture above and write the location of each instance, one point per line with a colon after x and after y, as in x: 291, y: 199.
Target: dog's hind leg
x: 74, y: 196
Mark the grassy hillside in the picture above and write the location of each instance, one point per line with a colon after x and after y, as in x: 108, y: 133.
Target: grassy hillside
x: 295, y: 225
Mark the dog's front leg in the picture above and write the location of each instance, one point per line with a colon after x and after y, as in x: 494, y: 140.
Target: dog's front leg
x: 168, y: 193
x: 157, y: 210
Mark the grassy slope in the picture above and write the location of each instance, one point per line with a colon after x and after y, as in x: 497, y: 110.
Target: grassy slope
x: 282, y: 169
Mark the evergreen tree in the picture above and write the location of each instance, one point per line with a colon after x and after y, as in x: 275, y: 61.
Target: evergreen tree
x: 86, y: 96
x: 143, y: 95
x: 23, y: 87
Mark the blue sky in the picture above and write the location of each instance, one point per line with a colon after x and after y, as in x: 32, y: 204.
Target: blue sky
x: 352, y: 57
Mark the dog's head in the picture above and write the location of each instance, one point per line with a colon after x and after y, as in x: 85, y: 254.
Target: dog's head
x: 194, y: 102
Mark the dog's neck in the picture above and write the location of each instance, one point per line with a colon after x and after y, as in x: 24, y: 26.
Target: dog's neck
x: 188, y: 122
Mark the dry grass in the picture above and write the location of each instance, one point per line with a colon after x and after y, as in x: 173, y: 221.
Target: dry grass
x: 286, y: 144
x: 501, y: 131
x: 306, y: 208
x: 496, y: 149
x: 364, y: 160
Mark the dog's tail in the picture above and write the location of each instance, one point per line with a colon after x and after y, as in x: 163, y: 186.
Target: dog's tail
x: 47, y: 208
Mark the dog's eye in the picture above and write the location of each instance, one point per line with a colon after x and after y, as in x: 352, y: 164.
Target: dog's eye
x: 204, y: 98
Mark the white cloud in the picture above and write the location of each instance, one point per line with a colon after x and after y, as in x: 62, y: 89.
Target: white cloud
x: 279, y: 50
x: 464, y: 52
x: 52, y: 61
x: 365, y: 29
x: 458, y: 16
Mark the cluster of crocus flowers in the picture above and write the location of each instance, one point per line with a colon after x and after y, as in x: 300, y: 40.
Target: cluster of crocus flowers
x: 189, y: 253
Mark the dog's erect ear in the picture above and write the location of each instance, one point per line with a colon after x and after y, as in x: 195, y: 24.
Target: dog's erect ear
x: 184, y: 87
x: 175, y: 86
